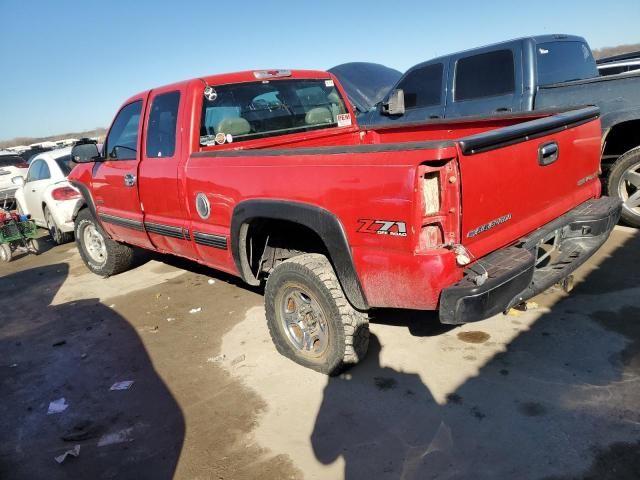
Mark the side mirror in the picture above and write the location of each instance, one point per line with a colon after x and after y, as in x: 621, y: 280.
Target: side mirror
x: 85, y: 153
x: 19, y: 181
x: 395, y: 104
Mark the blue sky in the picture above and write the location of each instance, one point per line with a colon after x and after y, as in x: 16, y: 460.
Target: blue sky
x: 68, y: 65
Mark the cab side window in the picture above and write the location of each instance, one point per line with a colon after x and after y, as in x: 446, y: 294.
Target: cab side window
x: 163, y: 119
x: 122, y: 141
x: 423, y: 86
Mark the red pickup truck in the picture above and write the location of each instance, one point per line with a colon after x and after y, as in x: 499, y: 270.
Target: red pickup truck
x: 267, y: 176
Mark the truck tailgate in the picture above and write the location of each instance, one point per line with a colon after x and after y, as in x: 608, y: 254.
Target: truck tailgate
x: 517, y: 178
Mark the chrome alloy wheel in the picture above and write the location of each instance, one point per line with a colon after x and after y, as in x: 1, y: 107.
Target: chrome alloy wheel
x: 303, y: 321
x: 94, y: 244
x: 629, y: 189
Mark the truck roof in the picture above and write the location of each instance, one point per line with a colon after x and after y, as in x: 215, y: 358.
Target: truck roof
x: 555, y: 37
x: 244, y: 76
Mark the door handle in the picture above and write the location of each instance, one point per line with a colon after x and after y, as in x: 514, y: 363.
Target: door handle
x: 129, y: 180
x: 434, y: 117
x: 548, y: 153
x: 503, y: 109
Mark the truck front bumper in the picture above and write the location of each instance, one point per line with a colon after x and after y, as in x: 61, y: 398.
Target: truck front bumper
x: 532, y: 265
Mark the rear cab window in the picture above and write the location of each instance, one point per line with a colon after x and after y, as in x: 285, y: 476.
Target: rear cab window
x: 268, y: 108
x: 488, y: 74
x: 564, y: 61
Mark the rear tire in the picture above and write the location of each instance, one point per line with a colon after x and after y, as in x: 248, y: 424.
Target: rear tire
x: 34, y: 246
x: 5, y: 253
x: 100, y: 254
x: 58, y: 236
x: 624, y: 182
x: 309, y: 318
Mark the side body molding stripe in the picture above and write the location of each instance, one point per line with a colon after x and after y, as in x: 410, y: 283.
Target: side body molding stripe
x: 165, y: 230
x: 321, y: 221
x: 208, y: 240
x: 121, y: 222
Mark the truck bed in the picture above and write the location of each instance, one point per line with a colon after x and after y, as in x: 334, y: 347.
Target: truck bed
x: 488, y: 169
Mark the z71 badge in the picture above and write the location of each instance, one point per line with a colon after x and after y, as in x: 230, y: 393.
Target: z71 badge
x: 383, y: 227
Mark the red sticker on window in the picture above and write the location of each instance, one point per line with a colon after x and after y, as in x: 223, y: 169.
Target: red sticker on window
x: 344, y: 119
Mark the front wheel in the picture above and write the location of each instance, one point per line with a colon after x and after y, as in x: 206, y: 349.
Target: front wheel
x: 309, y: 318
x: 624, y: 182
x: 101, y: 255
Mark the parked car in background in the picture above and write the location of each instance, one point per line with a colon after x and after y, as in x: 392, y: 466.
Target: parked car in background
x: 546, y: 72
x: 11, y: 166
x: 626, y: 62
x: 29, y: 154
x: 47, y: 196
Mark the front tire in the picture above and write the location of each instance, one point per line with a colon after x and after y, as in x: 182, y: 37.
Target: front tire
x: 101, y: 255
x: 624, y: 182
x: 309, y: 318
x: 58, y: 236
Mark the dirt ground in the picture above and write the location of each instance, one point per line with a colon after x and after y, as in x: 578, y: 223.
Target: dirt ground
x: 550, y: 393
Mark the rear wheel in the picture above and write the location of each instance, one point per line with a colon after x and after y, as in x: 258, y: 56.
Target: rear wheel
x: 34, y: 246
x: 624, y: 182
x: 310, y: 320
x: 102, y: 255
x: 58, y: 236
x: 5, y: 253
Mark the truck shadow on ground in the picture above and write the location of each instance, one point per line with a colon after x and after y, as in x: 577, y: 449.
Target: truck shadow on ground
x: 561, y: 400
x: 197, y: 268
x: 77, y: 351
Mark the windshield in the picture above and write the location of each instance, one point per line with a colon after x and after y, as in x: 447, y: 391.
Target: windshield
x: 245, y: 111
x: 564, y: 62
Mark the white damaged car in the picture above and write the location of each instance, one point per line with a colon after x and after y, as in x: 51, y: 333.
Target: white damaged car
x: 11, y: 166
x: 47, y: 196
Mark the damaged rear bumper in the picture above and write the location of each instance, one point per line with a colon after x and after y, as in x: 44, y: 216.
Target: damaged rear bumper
x: 535, y: 263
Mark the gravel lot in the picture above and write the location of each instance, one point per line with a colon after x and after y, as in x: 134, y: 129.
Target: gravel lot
x: 550, y: 393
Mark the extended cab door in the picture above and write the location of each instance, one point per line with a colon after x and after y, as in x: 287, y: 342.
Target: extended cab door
x: 485, y: 82
x: 115, y: 179
x: 162, y: 158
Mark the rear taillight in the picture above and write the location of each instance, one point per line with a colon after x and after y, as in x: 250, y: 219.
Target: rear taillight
x: 439, y: 200
x: 22, y: 165
x: 431, y: 237
x: 431, y: 193
x: 65, y: 193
